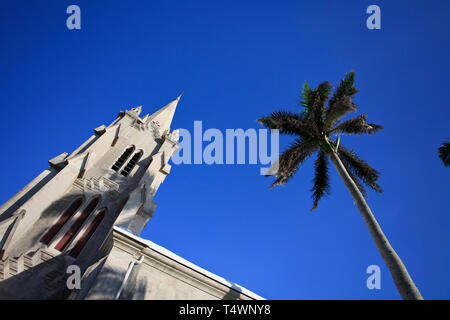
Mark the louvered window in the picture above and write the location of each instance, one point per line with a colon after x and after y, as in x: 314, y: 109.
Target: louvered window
x: 124, y: 157
x: 130, y: 165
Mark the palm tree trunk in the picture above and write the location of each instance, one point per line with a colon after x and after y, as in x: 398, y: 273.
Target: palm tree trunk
x: 402, y: 279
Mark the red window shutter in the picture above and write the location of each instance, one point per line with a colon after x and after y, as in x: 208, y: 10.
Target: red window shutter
x: 87, y: 234
x: 50, y: 234
x: 77, y: 225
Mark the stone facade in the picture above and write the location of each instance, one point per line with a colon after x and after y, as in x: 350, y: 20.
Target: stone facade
x: 88, y: 209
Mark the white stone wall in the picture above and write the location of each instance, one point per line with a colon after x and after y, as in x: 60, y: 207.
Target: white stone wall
x: 161, y: 275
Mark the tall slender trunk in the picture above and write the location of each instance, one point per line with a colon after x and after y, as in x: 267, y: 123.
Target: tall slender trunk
x: 402, y: 279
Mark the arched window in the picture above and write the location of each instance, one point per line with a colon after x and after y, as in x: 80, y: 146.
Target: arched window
x: 130, y: 165
x: 87, y: 234
x: 124, y: 157
x: 69, y: 212
x: 62, y: 244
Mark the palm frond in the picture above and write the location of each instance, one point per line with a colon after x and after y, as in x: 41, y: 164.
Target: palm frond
x: 357, y: 125
x: 304, y: 98
x: 341, y: 103
x: 345, y: 88
x: 359, y: 168
x: 324, y: 90
x: 356, y: 180
x: 321, y: 180
x: 317, y: 112
x: 337, y: 110
x: 317, y: 104
x: 291, y: 159
x: 288, y: 123
x: 444, y: 153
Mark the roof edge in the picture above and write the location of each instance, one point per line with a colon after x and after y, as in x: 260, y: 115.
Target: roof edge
x: 169, y: 254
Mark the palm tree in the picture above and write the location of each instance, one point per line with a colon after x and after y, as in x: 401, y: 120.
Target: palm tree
x: 444, y: 153
x: 313, y: 128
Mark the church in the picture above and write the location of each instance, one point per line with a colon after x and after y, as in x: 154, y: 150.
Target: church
x: 83, y: 215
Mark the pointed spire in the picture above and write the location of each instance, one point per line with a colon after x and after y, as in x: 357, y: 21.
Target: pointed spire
x: 137, y: 110
x: 163, y: 117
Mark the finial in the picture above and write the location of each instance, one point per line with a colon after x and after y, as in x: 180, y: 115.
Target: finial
x: 137, y: 110
x: 178, y: 98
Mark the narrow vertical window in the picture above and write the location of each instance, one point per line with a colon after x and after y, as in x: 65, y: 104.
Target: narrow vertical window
x: 124, y: 157
x: 130, y: 165
x: 62, y: 244
x: 69, y: 212
x: 87, y: 234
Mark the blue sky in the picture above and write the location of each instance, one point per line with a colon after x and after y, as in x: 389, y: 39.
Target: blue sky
x: 237, y: 61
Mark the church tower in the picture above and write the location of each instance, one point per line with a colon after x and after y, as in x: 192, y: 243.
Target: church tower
x: 66, y: 215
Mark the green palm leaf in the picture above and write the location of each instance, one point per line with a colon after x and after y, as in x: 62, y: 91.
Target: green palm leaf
x: 444, y: 153
x: 321, y: 180
x: 359, y: 168
x: 291, y: 159
x: 356, y: 180
x: 357, y: 125
x: 288, y: 123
